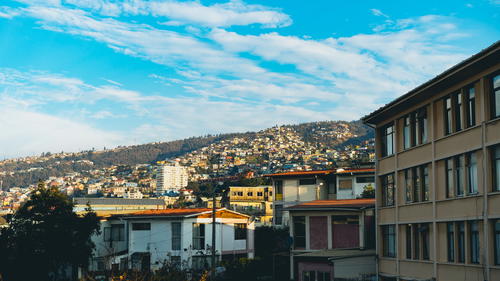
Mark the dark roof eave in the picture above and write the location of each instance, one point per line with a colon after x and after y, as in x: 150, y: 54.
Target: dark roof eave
x: 490, y: 53
x: 329, y: 208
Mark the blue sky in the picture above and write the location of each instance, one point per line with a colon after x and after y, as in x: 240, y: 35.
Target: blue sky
x: 79, y: 74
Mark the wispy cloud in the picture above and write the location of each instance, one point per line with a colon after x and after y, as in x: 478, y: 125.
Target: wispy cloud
x: 378, y: 13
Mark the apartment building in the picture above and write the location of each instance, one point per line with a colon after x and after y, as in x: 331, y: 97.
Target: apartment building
x: 253, y: 200
x: 145, y: 240
x: 292, y: 188
x: 171, y: 177
x: 438, y: 176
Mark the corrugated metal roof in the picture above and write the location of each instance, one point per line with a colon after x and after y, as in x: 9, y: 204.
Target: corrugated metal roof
x: 117, y: 201
x: 332, y: 204
x: 339, y: 253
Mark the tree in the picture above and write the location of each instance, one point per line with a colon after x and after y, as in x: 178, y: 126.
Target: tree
x: 46, y: 240
x: 368, y: 191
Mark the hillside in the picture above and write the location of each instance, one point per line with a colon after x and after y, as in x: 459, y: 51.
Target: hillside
x: 316, y: 135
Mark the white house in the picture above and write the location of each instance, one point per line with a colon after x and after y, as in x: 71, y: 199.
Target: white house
x: 145, y: 240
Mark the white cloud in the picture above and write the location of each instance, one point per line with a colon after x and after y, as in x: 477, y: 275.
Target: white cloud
x: 7, y: 12
x: 378, y: 13
x: 30, y: 133
x: 192, y: 12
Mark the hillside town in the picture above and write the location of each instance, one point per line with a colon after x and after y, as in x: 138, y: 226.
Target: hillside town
x: 278, y: 149
x: 249, y: 140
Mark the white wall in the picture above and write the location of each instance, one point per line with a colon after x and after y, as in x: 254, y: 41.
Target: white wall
x: 158, y: 240
x: 354, y: 267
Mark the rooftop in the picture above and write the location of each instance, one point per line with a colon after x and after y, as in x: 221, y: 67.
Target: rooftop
x: 117, y: 201
x: 333, y: 204
x: 336, y: 254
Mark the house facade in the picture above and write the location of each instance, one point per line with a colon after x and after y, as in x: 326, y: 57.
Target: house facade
x: 292, y: 188
x: 146, y: 240
x: 333, y: 240
x: 256, y: 201
x: 438, y: 176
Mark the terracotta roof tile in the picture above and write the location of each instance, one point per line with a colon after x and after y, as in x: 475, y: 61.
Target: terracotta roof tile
x: 170, y: 212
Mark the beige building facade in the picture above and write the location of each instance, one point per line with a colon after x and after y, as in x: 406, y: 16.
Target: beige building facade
x: 438, y: 176
x: 253, y: 200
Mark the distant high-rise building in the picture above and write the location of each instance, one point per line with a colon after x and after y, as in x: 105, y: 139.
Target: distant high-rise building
x: 171, y: 177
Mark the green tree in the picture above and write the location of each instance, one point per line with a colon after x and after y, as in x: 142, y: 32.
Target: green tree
x: 46, y: 240
x: 368, y: 191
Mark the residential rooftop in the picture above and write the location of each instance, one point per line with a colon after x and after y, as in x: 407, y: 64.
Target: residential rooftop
x: 333, y: 204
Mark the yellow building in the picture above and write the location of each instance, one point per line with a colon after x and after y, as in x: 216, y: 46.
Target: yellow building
x: 253, y: 200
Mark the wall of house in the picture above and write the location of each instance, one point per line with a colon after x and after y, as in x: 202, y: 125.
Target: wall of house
x: 354, y: 267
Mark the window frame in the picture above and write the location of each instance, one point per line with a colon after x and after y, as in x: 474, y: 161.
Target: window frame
x: 388, y: 199
x: 389, y: 240
x: 141, y: 226
x: 450, y: 241
x: 474, y: 242
x: 299, y: 223
x: 496, y: 241
x: 176, y: 232
x: 199, y: 232
x: 470, y: 98
x: 387, y: 134
x: 495, y: 96
x: 240, y: 231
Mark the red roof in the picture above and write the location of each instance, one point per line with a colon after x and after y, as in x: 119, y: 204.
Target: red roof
x: 344, y: 171
x: 344, y: 203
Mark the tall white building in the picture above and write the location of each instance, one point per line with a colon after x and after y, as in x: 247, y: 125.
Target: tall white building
x: 171, y: 177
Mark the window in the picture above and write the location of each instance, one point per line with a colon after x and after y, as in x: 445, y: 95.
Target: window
x: 425, y: 183
x: 323, y: 276
x: 459, y: 182
x: 198, y: 236
x: 495, y: 97
x: 389, y: 241
x: 458, y: 111
x: 365, y: 179
x: 407, y: 132
x: 496, y: 237
x: 307, y: 181
x: 496, y: 167
x: 387, y: 190
x: 408, y: 185
x: 176, y: 236
x: 471, y: 106
x: 415, y: 128
x: 408, y: 241
x: 260, y: 194
x: 141, y: 226
x: 417, y: 184
x: 448, y: 117
x: 278, y: 185
x: 424, y: 235
x: 278, y: 214
x: 461, y: 241
x: 114, y: 233
x: 474, y: 241
x: 299, y: 232
x: 240, y: 231
x: 309, y: 275
x: 345, y: 184
x: 471, y: 173
x: 449, y: 177
x: 387, y: 140
x: 250, y: 193
x: 450, y: 234
x: 416, y: 242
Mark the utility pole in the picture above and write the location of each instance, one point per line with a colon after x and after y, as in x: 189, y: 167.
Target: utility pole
x: 213, y: 236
